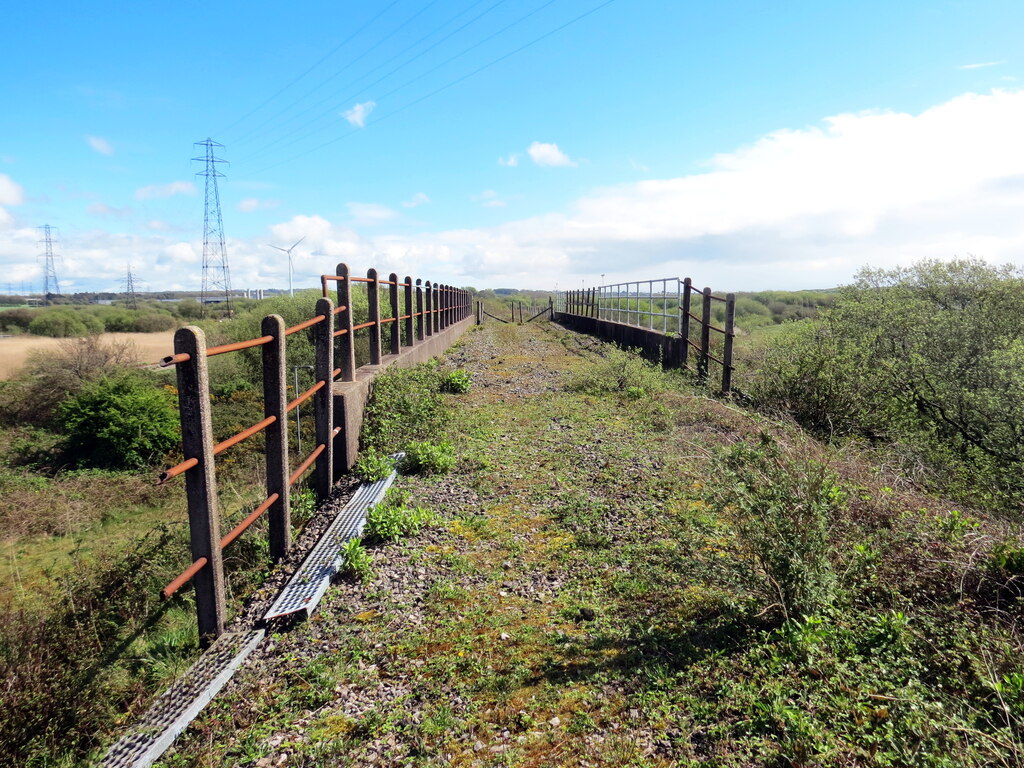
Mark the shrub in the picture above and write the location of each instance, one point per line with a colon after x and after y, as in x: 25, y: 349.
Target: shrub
x: 619, y: 371
x: 65, y: 322
x: 780, y: 508
x: 457, y: 381
x: 405, y: 405
x: 119, y: 422
x: 426, y: 458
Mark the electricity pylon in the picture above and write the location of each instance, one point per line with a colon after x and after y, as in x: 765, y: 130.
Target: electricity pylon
x: 50, y: 284
x: 216, y: 275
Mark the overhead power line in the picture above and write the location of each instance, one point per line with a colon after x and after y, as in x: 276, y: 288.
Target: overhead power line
x: 446, y: 86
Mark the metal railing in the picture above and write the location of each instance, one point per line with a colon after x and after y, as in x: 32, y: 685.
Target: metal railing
x: 436, y: 307
x: 663, y: 306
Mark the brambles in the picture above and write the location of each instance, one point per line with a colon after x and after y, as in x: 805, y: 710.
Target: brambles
x: 427, y: 458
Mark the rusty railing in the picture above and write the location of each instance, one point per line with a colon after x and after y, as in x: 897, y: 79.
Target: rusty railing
x: 426, y: 309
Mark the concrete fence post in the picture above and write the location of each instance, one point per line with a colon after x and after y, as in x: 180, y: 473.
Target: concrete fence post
x: 200, y: 480
x: 396, y: 324
x: 275, y: 403
x: 730, y: 333
x: 323, y: 400
x: 428, y: 313
x: 373, y: 304
x: 436, y: 315
x: 705, y: 336
x: 346, y: 342
x: 478, y: 312
x: 410, y: 339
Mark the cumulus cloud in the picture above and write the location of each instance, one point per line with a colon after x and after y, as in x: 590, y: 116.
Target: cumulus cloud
x: 155, y: 191
x: 796, y: 208
x: 100, y: 145
x: 511, y: 161
x: 548, y: 154
x: 11, y: 192
x: 102, y: 209
x: 357, y: 115
x: 416, y: 200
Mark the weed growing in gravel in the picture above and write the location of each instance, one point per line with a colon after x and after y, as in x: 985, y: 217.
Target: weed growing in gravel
x: 394, y: 519
x: 357, y: 561
x: 427, y: 458
x: 372, y: 465
x: 619, y: 371
x: 303, y: 505
x: 405, y: 404
x: 457, y: 381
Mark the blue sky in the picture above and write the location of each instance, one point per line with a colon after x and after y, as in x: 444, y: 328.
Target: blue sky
x: 749, y: 145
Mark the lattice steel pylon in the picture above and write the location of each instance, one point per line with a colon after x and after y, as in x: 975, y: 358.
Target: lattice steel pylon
x: 216, y: 275
x: 50, y: 284
x: 131, y: 298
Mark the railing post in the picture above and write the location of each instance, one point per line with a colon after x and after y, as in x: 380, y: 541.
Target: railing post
x: 200, y: 480
x: 428, y: 312
x: 346, y: 344
x: 705, y: 336
x: 684, y: 320
x: 275, y: 403
x: 396, y: 324
x: 478, y: 312
x: 420, y: 317
x: 373, y: 304
x: 323, y: 399
x: 435, y: 320
x: 730, y: 333
x: 407, y: 290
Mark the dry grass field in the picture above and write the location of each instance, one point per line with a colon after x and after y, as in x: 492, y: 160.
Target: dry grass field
x: 14, y: 350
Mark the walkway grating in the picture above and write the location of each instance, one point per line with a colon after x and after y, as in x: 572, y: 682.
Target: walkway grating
x: 310, y: 581
x: 178, y: 705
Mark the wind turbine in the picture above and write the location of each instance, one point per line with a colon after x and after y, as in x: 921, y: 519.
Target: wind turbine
x: 291, y: 290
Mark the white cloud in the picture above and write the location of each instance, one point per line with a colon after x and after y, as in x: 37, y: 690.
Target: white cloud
x: 548, y: 154
x: 100, y: 145
x: 416, y: 200
x: 358, y: 114
x: 102, y: 209
x: 511, y: 161
x: 489, y: 199
x: 981, y: 65
x: 156, y: 225
x: 250, y: 204
x: 369, y: 214
x: 796, y: 208
x: 11, y: 192
x: 165, y: 190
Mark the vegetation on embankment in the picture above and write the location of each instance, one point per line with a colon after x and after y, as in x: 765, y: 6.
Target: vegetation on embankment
x: 622, y: 571
x: 924, y: 364
x: 89, y: 540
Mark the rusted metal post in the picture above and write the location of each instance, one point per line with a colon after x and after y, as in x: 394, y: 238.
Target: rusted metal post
x: 396, y: 324
x: 275, y: 403
x: 373, y: 304
x: 419, y: 309
x: 407, y: 289
x: 346, y: 342
x: 200, y: 480
x: 705, y: 336
x: 323, y: 400
x: 684, y: 321
x: 730, y: 334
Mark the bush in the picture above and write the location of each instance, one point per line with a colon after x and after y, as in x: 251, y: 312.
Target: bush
x: 64, y: 322
x: 619, y: 371
x: 405, y: 405
x: 119, y: 422
x: 426, y: 458
x: 457, y: 381
x: 357, y: 561
x: 780, y: 508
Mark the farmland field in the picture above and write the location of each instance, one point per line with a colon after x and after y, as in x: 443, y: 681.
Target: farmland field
x: 14, y: 350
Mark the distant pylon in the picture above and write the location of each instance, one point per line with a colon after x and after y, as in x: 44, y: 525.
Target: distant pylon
x: 216, y: 276
x: 131, y: 299
x: 50, y: 284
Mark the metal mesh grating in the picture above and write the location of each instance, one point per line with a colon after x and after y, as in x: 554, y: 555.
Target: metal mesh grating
x: 311, y: 580
x: 176, y: 707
